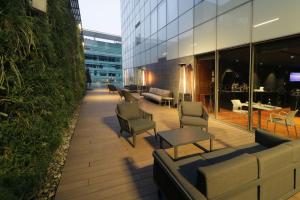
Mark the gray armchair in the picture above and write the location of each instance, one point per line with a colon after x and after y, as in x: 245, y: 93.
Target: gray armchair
x: 193, y: 114
x: 134, y: 120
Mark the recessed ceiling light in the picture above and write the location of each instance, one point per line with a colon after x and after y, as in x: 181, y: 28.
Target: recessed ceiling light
x: 237, y: 60
x: 261, y: 63
x: 292, y: 57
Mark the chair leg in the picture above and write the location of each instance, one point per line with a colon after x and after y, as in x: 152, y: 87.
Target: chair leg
x: 267, y: 124
x: 296, y: 131
x: 134, y: 139
x: 120, y: 132
x: 274, y: 128
x: 287, y: 129
x: 155, y: 133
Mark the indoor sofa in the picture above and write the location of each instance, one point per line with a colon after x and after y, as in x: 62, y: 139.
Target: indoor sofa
x: 268, y: 169
x: 157, y: 94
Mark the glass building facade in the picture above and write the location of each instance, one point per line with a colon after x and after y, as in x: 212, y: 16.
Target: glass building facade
x: 103, y: 58
x: 245, y: 54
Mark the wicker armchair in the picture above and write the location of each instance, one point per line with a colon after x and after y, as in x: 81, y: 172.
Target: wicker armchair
x: 193, y: 114
x: 134, y: 120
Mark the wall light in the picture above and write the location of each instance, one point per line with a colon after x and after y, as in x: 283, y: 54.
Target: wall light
x: 40, y: 5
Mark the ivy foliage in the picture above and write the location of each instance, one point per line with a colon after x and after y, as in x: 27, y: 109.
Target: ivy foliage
x: 42, y: 80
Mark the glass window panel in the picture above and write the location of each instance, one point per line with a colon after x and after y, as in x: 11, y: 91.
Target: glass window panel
x: 147, y: 8
x: 162, y: 50
x: 225, y: 5
x: 234, y: 85
x: 153, y: 4
x: 275, y: 64
x: 162, y: 14
x: 154, y: 40
x: 154, y: 21
x: 185, y: 5
x: 172, y: 48
x: 186, y: 21
x: 172, y: 29
x: 205, y: 37
x: 186, y: 44
x: 172, y: 10
x: 282, y: 21
x: 147, y: 26
x: 204, y: 11
x: 154, y: 55
x: 148, y: 57
x: 234, y: 27
x: 162, y: 35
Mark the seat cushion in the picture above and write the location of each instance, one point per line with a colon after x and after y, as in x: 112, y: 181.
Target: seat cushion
x: 279, y: 156
x: 194, y: 121
x: 191, y: 108
x: 188, y: 167
x: 138, y: 125
x: 129, y: 110
x: 226, y: 176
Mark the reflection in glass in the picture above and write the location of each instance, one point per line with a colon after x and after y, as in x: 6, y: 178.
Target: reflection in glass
x: 233, y: 85
x: 277, y: 86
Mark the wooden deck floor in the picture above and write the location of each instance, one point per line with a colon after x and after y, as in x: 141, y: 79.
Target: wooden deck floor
x: 100, y: 165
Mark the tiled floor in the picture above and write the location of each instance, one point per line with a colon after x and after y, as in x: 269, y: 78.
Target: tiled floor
x: 100, y: 165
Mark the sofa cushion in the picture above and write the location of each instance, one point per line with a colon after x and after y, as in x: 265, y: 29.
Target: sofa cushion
x: 192, y: 108
x: 268, y: 140
x: 219, y: 178
x: 273, y: 159
x: 194, y: 121
x: 129, y: 110
x: 188, y: 167
x: 295, y: 150
x: 138, y: 125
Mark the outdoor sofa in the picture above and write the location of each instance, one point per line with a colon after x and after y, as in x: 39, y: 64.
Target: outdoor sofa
x: 268, y: 169
x: 157, y: 94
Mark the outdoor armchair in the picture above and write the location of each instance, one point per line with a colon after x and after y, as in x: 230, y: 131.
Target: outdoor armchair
x: 129, y: 97
x: 283, y: 118
x: 193, y: 114
x: 111, y: 88
x: 134, y: 120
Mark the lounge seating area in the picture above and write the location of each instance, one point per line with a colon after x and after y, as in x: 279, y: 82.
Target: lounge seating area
x: 245, y: 172
x: 157, y: 94
x: 100, y: 162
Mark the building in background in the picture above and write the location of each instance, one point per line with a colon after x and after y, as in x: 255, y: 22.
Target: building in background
x: 218, y: 51
x: 103, y: 58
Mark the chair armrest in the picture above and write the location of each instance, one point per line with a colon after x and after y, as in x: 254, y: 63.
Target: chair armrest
x: 146, y: 115
x: 267, y: 139
x: 124, y: 123
x: 283, y: 113
x: 277, y: 115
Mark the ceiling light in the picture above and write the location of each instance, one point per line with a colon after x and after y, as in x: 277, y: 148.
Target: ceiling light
x: 266, y: 22
x: 292, y: 57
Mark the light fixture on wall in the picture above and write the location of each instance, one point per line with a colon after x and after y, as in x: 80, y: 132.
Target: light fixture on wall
x: 40, y: 5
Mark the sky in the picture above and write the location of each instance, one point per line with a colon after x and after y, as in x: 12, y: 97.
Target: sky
x: 101, y: 15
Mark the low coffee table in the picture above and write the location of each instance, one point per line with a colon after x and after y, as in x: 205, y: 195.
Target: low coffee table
x: 183, y: 136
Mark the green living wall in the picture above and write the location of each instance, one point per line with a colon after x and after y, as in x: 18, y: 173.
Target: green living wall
x: 41, y: 83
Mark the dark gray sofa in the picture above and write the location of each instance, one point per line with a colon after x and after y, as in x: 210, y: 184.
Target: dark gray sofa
x: 268, y: 169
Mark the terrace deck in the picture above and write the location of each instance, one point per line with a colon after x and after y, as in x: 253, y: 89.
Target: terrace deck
x: 100, y: 165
